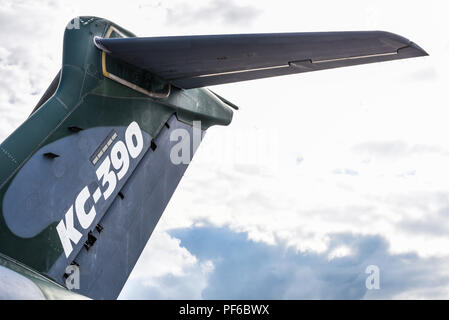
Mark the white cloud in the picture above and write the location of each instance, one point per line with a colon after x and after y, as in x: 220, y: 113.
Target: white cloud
x: 165, y: 256
x: 339, y: 252
x: 217, y: 11
x: 166, y: 270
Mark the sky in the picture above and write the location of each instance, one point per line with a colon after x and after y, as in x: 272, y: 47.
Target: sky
x: 319, y: 175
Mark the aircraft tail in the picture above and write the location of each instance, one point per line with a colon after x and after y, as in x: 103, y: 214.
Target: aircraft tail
x: 85, y: 179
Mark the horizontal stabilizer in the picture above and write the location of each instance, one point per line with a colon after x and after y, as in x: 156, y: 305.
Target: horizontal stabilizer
x: 198, y: 61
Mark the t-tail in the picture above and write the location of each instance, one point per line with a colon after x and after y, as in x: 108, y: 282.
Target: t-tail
x: 85, y: 179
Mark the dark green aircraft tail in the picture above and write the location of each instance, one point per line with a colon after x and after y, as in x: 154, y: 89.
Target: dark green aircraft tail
x: 85, y: 179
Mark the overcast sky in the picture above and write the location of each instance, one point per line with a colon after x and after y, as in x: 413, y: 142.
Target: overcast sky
x: 319, y: 175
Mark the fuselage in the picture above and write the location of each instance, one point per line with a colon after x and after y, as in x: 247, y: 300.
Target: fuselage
x: 22, y: 283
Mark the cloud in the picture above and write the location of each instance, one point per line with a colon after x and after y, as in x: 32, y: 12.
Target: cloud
x: 166, y: 270
x: 395, y: 149
x: 427, y: 226
x: 216, y: 11
x: 426, y: 74
x: 346, y: 171
x: 245, y: 269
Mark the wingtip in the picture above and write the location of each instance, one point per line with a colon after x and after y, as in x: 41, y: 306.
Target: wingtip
x: 411, y: 50
x: 421, y: 52
x: 404, y: 44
